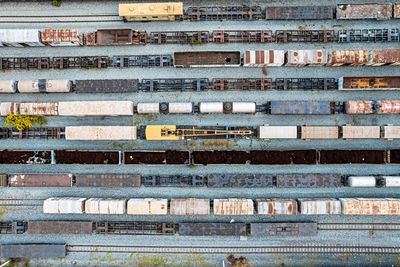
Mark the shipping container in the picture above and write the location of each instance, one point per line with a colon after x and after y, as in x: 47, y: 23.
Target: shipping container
x: 264, y: 58
x: 33, y: 251
x: 369, y: 83
x: 151, y: 11
x: 361, y: 132
x: 108, y: 180
x: 105, y: 206
x: 100, y: 133
x: 361, y: 181
x: 370, y: 206
x: 391, y: 181
x: 319, y: 132
x: 364, y: 11
x: 212, y: 229
x: 307, y: 57
x: 44, y: 86
x: 190, y: 206
x: 396, y: 11
x: 391, y: 132
x: 147, y: 206
x: 8, y: 86
x: 302, y: 107
x: 384, y: 57
x: 348, y: 57
x: 59, y: 227
x: 86, y: 157
x: 207, y: 59
x: 116, y: 37
x: 319, y: 206
x: 40, y: 180
x: 35, y: 109
x: 20, y: 37
x: 95, y: 108
x: 308, y: 180
x: 61, y: 37
x: 276, y: 132
x: 274, y: 206
x: 283, y: 229
x: 299, y: 12
x: 233, y: 206
x: 239, y: 180
x: 64, y: 205
x: 107, y: 86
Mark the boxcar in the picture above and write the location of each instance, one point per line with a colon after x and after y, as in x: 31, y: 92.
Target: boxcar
x: 299, y: 12
x: 147, y: 206
x: 116, y: 37
x: 40, y: 180
x: 60, y: 227
x: 20, y: 37
x: 100, y: 133
x: 307, y: 57
x: 277, y: 132
x: 302, y: 107
x: 64, y: 205
x: 107, y: 86
x: 370, y: 206
x: 369, y: 83
x: 44, y: 86
x: 108, y: 180
x: 207, y: 59
x: 61, y: 37
x: 384, y: 57
x: 364, y: 11
x: 30, y: 251
x: 35, y: 109
x: 211, y: 229
x: 319, y: 206
x: 8, y: 86
x: 239, y: 180
x: 308, y: 180
x: 95, y: 108
x: 357, y: 132
x: 276, y: 206
x: 283, y: 229
x: 391, y: 132
x: 319, y: 132
x: 105, y: 206
x: 348, y: 57
x: 233, y: 206
x: 261, y: 58
x: 190, y: 206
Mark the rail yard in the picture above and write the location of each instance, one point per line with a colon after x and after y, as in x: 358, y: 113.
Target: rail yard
x: 178, y: 133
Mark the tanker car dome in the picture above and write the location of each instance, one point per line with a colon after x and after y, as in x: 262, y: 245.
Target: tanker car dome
x: 164, y: 106
x: 376, y: 105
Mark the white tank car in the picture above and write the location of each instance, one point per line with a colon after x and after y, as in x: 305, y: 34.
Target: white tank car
x: 392, y: 181
x: 44, y: 86
x: 362, y: 181
x: 8, y: 86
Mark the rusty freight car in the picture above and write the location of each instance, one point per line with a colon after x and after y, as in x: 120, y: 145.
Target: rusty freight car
x: 348, y: 57
x: 319, y: 132
x: 264, y: 58
x: 60, y: 227
x: 223, y: 13
x: 370, y: 107
x: 31, y: 251
x: 190, y: 206
x: 115, y: 37
x: 207, y: 59
x: 369, y: 83
x: 306, y: 57
x: 108, y: 180
x: 61, y: 37
x: 40, y: 180
x: 364, y: 11
x: 384, y: 57
x: 396, y: 11
x: 276, y: 206
x: 370, y: 206
x: 107, y: 86
x: 233, y: 206
x: 299, y: 12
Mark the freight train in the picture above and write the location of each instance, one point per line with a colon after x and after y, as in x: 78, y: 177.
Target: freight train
x: 127, y: 36
x: 210, y: 180
x: 250, y: 58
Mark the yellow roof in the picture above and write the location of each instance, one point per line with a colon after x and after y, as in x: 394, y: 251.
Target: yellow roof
x: 153, y: 132
x: 151, y: 9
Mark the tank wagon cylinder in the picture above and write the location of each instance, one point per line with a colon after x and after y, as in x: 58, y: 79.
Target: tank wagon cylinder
x: 391, y: 181
x: 227, y: 107
x: 362, y: 181
x: 156, y: 108
x: 43, y: 85
x: 8, y: 86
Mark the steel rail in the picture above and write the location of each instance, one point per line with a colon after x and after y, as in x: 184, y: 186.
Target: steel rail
x: 358, y: 226
x: 21, y: 202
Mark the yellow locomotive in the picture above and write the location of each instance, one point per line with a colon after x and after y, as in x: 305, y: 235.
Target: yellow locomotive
x: 151, y: 11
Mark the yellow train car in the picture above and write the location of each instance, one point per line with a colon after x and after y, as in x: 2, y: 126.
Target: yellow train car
x: 151, y: 11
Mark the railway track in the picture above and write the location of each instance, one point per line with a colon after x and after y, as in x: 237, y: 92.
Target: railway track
x: 301, y: 250
x: 61, y: 19
x: 358, y: 227
x: 20, y: 202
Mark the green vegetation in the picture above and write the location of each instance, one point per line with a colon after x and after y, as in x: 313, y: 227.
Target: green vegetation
x: 125, y: 145
x: 23, y: 121
x: 56, y: 3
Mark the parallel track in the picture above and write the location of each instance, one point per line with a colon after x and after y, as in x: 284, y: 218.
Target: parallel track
x: 61, y: 19
x: 358, y: 226
x: 21, y: 202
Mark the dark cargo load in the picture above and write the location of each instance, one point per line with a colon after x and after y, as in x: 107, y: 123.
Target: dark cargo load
x: 30, y: 251
x: 220, y: 157
x: 240, y: 180
x: 394, y: 156
x: 369, y: 83
x: 107, y: 86
x: 207, y: 58
x: 156, y: 157
x: 210, y: 229
x: 302, y: 107
x: 308, y: 180
x: 299, y: 12
x: 40, y: 180
x: 283, y: 157
x: 283, y: 229
x: 25, y: 157
x: 59, y: 227
x: 107, y: 180
x: 86, y: 157
x: 352, y: 156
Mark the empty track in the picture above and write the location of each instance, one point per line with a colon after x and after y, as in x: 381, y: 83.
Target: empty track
x: 61, y: 19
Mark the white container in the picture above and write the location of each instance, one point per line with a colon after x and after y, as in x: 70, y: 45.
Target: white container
x: 147, y: 206
x: 105, y: 206
x: 190, y: 206
x: 319, y: 206
x: 243, y: 107
x: 95, y: 108
x: 261, y: 58
x: 8, y: 86
x: 65, y: 205
x: 20, y: 37
x: 362, y: 181
x: 146, y: 108
x: 277, y: 132
x: 49, y: 86
x: 211, y: 107
x: 392, y: 181
x: 5, y: 108
x: 100, y: 133
x: 233, y: 206
x: 361, y: 132
x: 391, y: 132
x: 180, y: 108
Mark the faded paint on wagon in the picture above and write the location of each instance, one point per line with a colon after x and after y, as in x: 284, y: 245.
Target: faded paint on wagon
x: 319, y: 206
x: 105, y: 206
x: 384, y: 57
x: 37, y: 109
x: 308, y: 180
x: 369, y: 83
x: 43, y: 85
x: 151, y: 11
x: 31, y: 251
x: 61, y: 37
x: 190, y: 206
x: 100, y: 133
x: 147, y: 206
x: 261, y: 58
x: 388, y: 107
x: 396, y: 11
x: 107, y: 86
x: 276, y: 206
x: 8, y: 86
x: 283, y: 229
x: 348, y: 57
x: 391, y: 132
x: 301, y: 107
x: 273, y: 132
x: 364, y: 11
x: 116, y: 37
x: 357, y: 132
x: 359, y: 107
x: 207, y: 59
x: 40, y: 180
x: 307, y: 57
x: 20, y: 37
x: 299, y: 12
x: 108, y: 180
x: 319, y: 132
x: 233, y: 206
x: 370, y: 206
x: 64, y: 205
x: 95, y: 108
x: 239, y: 180
x: 211, y: 229
x: 59, y: 227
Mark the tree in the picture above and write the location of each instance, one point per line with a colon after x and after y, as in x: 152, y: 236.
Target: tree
x: 23, y: 121
x: 238, y: 262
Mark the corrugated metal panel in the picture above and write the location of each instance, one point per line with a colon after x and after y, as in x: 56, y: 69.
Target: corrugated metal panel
x: 59, y: 227
x: 95, y: 108
x: 61, y: 37
x: 207, y: 59
x: 272, y: 132
x: 64, y: 205
x: 348, y: 57
x: 319, y: 132
x: 40, y: 180
x: 260, y: 58
x: 306, y: 57
x: 100, y: 133
x: 108, y: 180
x: 39, y: 109
x: 383, y: 57
x: 364, y: 11
x: 354, y: 132
x: 370, y: 206
x: 308, y: 180
x: 319, y: 206
x: 299, y: 12
x: 107, y: 86
x: 283, y: 229
x: 276, y: 206
x: 391, y: 132
x: 30, y: 251
x: 105, y: 206
x: 211, y: 229
x: 16, y: 37
x: 147, y: 206
x: 233, y: 206
x: 301, y: 107
x: 190, y: 206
